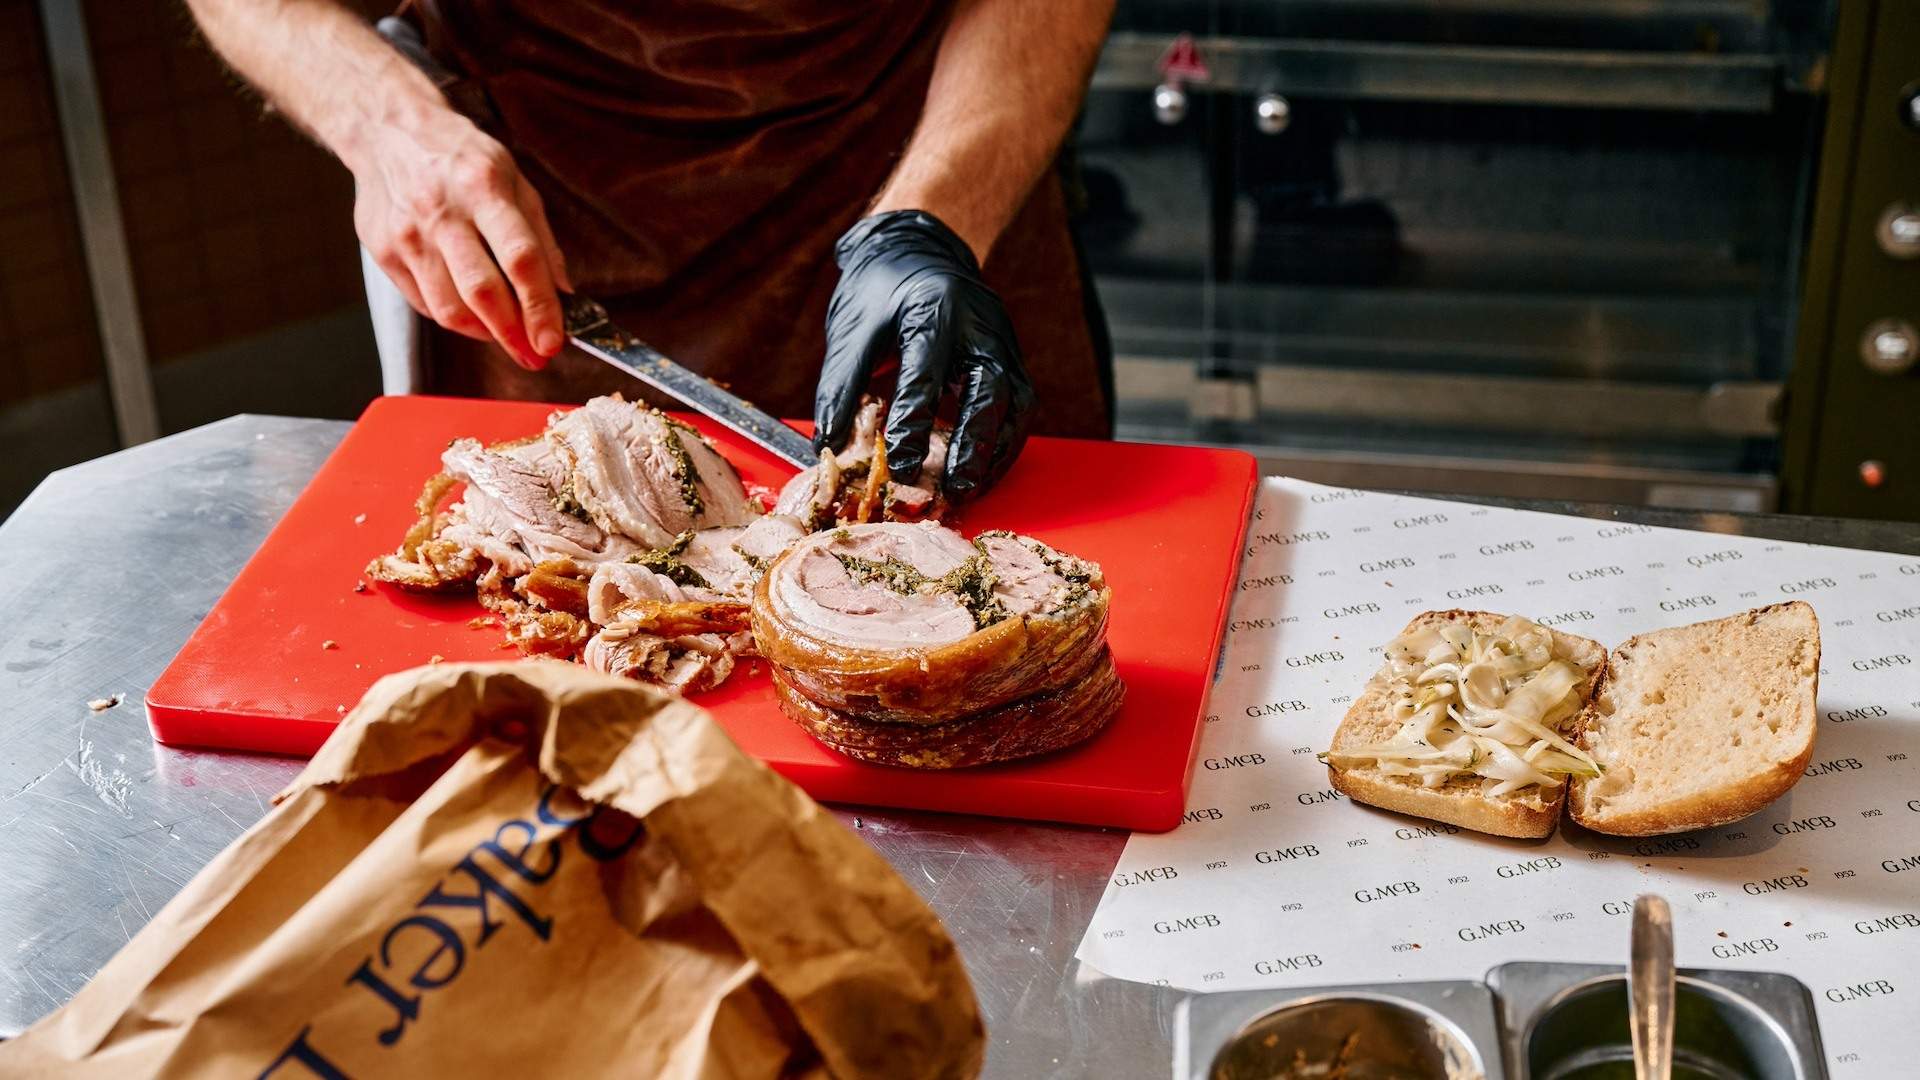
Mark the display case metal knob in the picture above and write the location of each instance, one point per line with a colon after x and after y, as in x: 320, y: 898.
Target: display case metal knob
x: 1910, y: 105
x: 1169, y: 103
x: 1890, y: 347
x: 1899, y: 231
x: 1271, y: 114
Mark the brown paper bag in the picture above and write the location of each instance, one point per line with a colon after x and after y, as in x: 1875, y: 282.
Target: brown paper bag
x: 528, y: 869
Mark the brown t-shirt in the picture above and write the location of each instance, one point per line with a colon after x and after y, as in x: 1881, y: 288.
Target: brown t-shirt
x: 698, y: 159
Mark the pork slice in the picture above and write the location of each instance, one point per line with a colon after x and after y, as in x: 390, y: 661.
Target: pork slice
x: 541, y: 633
x: 688, y: 663
x: 1032, y: 578
x: 619, y: 472
x: 813, y: 495
x: 713, y: 554
x: 770, y: 534
x: 500, y: 550
x: 919, y: 498
x: 614, y: 585
x: 864, y: 436
x: 809, y: 495
x: 932, y: 549
x: 512, y: 501
x: 723, y: 495
x: 1023, y: 582
x: 820, y: 592
x: 908, y: 501
x: 438, y: 565
x: 630, y: 467
x: 692, y: 663
x: 700, y: 662
x: 538, y: 454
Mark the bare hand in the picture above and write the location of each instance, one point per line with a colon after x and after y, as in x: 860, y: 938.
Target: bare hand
x: 444, y: 211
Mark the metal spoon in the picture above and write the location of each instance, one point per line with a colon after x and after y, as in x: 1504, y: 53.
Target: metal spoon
x: 1650, y: 988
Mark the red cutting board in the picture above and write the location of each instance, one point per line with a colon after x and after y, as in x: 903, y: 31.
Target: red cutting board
x: 1165, y: 523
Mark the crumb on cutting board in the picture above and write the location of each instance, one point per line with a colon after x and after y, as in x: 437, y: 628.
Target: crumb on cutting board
x: 102, y: 704
x: 359, y: 519
x: 329, y: 644
x: 435, y: 658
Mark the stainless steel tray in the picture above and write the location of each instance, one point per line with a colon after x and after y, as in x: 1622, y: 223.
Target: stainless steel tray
x: 1420, y: 1029
x: 1743, y: 1025
x: 1526, y: 1021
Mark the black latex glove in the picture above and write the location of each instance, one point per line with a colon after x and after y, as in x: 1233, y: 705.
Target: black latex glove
x: 907, y: 283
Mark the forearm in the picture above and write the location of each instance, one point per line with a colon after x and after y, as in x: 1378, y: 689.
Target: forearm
x: 438, y: 203
x: 321, y: 66
x: 1006, y: 84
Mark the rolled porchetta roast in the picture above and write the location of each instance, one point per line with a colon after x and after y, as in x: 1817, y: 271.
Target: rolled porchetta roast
x: 908, y: 644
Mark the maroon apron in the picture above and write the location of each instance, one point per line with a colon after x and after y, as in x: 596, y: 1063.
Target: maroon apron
x: 699, y: 158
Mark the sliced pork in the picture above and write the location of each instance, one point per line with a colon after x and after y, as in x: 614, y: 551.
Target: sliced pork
x: 512, y: 501
x: 687, y: 663
x: 941, y: 650
x: 618, y: 535
x: 762, y: 542
x: 639, y: 473
x: 858, y: 587
x: 831, y: 491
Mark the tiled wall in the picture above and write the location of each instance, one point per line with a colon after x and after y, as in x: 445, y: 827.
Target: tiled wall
x: 236, y: 223
x: 47, y: 338
x: 239, y: 232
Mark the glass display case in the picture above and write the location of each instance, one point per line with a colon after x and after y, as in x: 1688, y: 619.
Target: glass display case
x: 1521, y: 247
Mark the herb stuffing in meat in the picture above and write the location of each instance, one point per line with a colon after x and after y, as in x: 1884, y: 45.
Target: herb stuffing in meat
x: 667, y: 563
x: 621, y: 538
x: 854, y: 487
x: 907, y: 644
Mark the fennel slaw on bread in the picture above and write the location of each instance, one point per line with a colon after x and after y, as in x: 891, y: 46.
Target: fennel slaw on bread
x: 1477, y: 703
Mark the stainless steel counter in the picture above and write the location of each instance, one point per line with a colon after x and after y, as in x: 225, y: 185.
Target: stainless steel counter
x: 112, y: 564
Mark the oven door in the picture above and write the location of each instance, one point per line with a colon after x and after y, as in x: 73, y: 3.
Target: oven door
x: 1544, y: 248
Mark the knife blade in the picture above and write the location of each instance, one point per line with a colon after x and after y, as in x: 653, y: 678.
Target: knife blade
x: 595, y: 334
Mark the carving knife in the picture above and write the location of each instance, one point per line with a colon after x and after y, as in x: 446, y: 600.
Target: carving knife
x: 596, y: 335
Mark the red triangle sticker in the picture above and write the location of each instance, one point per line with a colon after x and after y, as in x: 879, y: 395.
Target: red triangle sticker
x: 1182, y: 61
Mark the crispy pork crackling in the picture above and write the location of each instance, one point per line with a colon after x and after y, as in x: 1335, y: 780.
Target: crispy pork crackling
x: 831, y: 491
x: 909, y: 644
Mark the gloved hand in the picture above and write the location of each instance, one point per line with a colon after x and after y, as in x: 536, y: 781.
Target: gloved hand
x: 907, y: 282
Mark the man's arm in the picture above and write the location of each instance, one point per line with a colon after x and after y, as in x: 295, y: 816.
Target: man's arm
x: 1006, y: 85
x: 436, y: 200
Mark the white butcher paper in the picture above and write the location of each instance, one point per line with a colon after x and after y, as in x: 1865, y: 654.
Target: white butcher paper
x: 1273, y: 880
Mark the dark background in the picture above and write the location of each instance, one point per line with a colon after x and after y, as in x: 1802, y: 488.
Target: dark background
x: 241, y: 237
